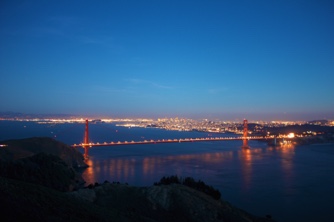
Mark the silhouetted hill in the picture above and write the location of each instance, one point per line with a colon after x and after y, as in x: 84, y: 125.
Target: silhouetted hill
x: 21, y: 148
x: 43, y: 161
x: 300, y: 129
x: 321, y: 121
x: 22, y: 201
x: 43, y: 169
x: 17, y: 115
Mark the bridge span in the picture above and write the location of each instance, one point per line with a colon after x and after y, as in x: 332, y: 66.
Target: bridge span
x: 245, y: 138
x: 182, y: 140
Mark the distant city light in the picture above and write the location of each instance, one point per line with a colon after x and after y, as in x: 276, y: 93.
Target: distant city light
x: 291, y: 135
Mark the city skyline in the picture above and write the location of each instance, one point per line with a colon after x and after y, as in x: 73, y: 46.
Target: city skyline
x: 229, y: 60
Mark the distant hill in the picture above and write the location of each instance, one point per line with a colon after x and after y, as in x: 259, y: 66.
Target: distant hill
x: 13, y: 115
x: 323, y: 121
x: 300, y: 129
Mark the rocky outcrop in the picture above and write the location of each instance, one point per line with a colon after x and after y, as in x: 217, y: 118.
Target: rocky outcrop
x: 173, y: 202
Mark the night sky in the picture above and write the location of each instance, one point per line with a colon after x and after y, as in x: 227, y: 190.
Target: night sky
x: 261, y: 60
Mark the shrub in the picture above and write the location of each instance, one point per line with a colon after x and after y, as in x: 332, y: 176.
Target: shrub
x: 190, y: 182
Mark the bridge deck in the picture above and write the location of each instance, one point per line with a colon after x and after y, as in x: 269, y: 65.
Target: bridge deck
x: 206, y: 139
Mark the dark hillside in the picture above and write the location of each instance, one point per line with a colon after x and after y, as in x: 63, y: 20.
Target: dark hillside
x: 30, y: 146
x: 43, y: 169
x: 21, y: 201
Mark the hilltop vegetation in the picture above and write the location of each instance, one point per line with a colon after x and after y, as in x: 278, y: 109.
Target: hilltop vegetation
x: 190, y: 182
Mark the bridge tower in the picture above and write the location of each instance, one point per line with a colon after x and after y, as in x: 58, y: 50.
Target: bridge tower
x: 86, y: 141
x: 245, y: 135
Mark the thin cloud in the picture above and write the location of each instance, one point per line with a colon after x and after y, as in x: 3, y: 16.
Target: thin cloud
x: 90, y: 40
x: 103, y: 89
x: 57, y: 26
x: 97, y: 90
x: 150, y: 83
x: 73, y: 29
x: 217, y: 90
x: 61, y: 25
x: 105, y: 41
x: 64, y: 21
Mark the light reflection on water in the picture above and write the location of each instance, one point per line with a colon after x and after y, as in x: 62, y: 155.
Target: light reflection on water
x: 245, y: 156
x: 230, y: 168
x: 287, y: 153
x: 124, y: 169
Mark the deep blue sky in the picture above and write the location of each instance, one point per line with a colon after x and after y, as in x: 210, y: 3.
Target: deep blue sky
x: 265, y: 60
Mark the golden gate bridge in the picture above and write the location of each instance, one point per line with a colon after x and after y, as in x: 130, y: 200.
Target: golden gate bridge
x: 86, y: 144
